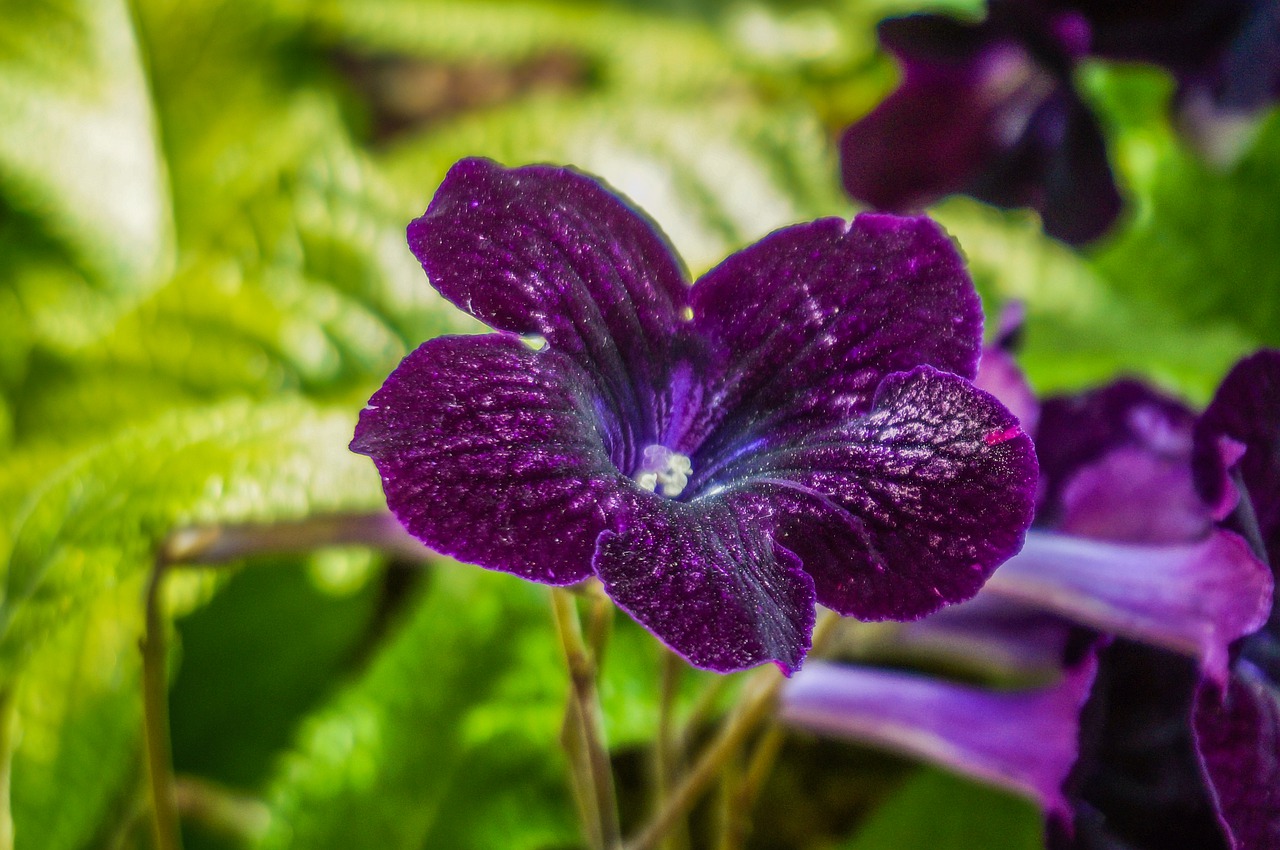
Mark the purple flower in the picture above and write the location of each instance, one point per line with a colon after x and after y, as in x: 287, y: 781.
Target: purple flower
x: 989, y: 110
x: 1237, y: 726
x: 1224, y: 55
x: 1168, y: 750
x: 796, y: 427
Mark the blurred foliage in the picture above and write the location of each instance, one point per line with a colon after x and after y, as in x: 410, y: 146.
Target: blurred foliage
x: 202, y: 211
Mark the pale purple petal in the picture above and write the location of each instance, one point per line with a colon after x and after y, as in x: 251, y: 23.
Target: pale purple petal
x: 1238, y: 737
x: 813, y: 317
x: 908, y: 508
x: 1026, y: 741
x: 1076, y: 431
x: 992, y: 632
x: 708, y: 582
x: 489, y: 452
x: 1194, y: 598
x: 1134, y: 495
x: 998, y: 374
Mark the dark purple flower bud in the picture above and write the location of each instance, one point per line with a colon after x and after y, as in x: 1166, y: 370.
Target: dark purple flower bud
x: 988, y: 110
x: 796, y: 427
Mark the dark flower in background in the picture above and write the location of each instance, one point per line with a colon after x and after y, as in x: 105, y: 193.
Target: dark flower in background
x: 990, y: 110
x: 1179, y: 741
x: 797, y: 426
x: 1223, y: 54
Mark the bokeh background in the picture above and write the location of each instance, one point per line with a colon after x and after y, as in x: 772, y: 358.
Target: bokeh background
x: 203, y: 276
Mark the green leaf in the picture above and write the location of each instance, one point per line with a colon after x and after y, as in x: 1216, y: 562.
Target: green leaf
x: 400, y: 759
x: 78, y: 144
x: 77, y: 767
x: 96, y: 520
x: 1200, y: 243
x: 1080, y: 330
x: 714, y: 177
x: 936, y: 810
x: 630, y: 48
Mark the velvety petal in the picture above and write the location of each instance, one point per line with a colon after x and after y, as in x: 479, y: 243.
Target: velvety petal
x: 547, y: 251
x: 813, y: 317
x: 1192, y: 598
x: 1237, y: 734
x: 1246, y: 410
x: 907, y: 509
x: 1077, y: 430
x: 1138, y: 783
x: 489, y: 452
x: 1022, y: 740
x: 708, y: 582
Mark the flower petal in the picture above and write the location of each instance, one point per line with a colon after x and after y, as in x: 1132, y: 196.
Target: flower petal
x: 1246, y: 410
x: 986, y: 110
x: 993, y: 633
x: 548, y: 251
x: 489, y: 453
x: 906, y: 509
x: 1237, y: 734
x: 1138, y: 784
x: 708, y: 582
x: 1194, y: 598
x: 1026, y: 741
x: 1132, y: 495
x: 813, y: 317
x: 1078, y: 430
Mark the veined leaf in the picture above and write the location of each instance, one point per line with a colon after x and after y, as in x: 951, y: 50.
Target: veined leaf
x: 78, y: 145
x: 714, y: 177
x: 95, y: 521
x: 384, y: 764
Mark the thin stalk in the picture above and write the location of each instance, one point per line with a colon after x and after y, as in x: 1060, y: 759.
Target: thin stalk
x: 757, y: 703
x: 218, y: 544
x: 743, y: 793
x: 584, y: 725
x: 155, y: 711
x: 667, y: 759
x: 8, y: 722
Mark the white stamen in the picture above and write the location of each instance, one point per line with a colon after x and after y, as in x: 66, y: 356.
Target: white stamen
x: 665, y: 469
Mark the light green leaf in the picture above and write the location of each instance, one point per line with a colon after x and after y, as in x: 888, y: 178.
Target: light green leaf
x: 398, y: 760
x: 714, y: 177
x: 78, y: 144
x: 94, y: 522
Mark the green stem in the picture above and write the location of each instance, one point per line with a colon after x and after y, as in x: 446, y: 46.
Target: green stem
x: 757, y: 703
x: 218, y: 544
x: 8, y: 724
x: 584, y: 727
x: 667, y: 757
x: 155, y: 709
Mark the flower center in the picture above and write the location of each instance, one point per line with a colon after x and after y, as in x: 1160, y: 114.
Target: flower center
x: 665, y: 469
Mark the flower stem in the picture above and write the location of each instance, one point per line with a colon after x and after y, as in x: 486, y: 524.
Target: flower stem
x: 667, y: 756
x: 757, y: 703
x: 8, y: 722
x: 155, y: 710
x: 584, y: 730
